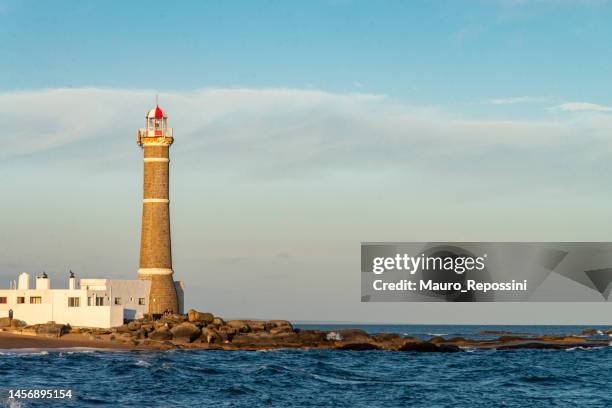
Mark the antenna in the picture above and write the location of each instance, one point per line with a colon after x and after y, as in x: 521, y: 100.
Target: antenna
x: 156, y: 99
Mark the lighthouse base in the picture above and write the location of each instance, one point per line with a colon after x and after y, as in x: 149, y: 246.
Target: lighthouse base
x: 162, y: 296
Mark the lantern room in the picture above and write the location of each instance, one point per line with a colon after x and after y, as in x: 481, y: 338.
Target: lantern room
x: 156, y: 122
x: 156, y: 130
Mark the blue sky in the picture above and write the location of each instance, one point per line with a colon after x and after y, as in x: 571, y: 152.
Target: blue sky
x: 440, y: 52
x: 302, y: 129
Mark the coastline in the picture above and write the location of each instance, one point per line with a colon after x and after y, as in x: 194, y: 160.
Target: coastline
x: 304, y: 339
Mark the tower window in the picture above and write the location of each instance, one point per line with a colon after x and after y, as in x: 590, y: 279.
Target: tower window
x: 99, y: 301
x: 35, y: 300
x: 117, y: 300
x: 141, y: 301
x: 3, y: 299
x: 20, y: 299
x: 74, y: 302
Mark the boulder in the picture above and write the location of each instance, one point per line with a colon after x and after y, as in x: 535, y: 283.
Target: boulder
x: 195, y: 316
x: 139, y: 334
x: 281, y: 330
x: 239, y: 325
x: 147, y: 327
x: 353, y: 335
x: 217, y: 321
x: 186, y: 332
x: 427, y: 347
x: 386, y: 337
x: 162, y: 323
x: 437, y: 340
x: 122, y: 329
x: 281, y: 323
x: 256, y: 325
x: 211, y: 336
x: 227, y: 329
x: 124, y: 337
x: 161, y: 334
x: 178, y: 318
x: 358, y: 346
x: 134, y: 325
x: 6, y: 322
x: 311, y: 337
x: 51, y: 329
x: 589, y: 332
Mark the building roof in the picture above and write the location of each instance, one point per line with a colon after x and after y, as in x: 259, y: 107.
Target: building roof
x: 156, y: 113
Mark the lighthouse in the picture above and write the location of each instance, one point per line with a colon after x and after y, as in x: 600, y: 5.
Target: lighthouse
x: 155, y: 244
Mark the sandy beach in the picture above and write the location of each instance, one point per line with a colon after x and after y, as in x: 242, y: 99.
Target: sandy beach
x: 18, y: 341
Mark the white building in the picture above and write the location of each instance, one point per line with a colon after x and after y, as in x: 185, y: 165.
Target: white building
x: 90, y: 302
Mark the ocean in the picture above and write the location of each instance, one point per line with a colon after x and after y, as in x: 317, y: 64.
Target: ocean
x: 318, y: 378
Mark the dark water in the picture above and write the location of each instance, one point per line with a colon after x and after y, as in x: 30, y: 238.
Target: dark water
x: 283, y: 378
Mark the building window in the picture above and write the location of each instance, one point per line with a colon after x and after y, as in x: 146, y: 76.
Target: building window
x: 99, y: 301
x: 117, y: 300
x: 88, y: 301
x: 35, y: 300
x: 3, y: 300
x: 74, y: 302
x: 20, y: 299
x: 141, y: 301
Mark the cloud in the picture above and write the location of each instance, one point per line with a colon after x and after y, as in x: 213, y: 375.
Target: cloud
x: 516, y: 100
x: 275, y: 132
x: 583, y: 106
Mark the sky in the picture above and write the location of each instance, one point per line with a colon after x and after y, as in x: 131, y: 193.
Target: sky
x: 302, y: 130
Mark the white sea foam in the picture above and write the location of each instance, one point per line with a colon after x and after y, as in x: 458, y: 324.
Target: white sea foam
x: 333, y: 336
x: 437, y: 334
x: 24, y: 352
x: 142, y: 363
x: 11, y: 403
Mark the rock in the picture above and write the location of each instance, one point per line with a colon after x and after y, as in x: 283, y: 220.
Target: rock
x: 227, y: 330
x: 353, y: 335
x: 211, y: 336
x: 507, y: 339
x: 163, y: 323
x: 94, y: 337
x: 163, y: 333
x: 6, y: 322
x: 139, y: 334
x: 147, y: 327
x: 280, y: 330
x: 239, y: 325
x: 51, y: 329
x: 311, y: 337
x: 543, y: 346
x: 437, y: 340
x: 122, y: 329
x: 281, y: 323
x: 457, y: 339
x: 124, y: 337
x: 217, y: 321
x: 387, y: 337
x: 134, y: 325
x: 195, y: 316
x: 265, y: 340
x: 186, y: 332
x: 358, y: 346
x: 178, y: 318
x: 256, y: 325
x: 589, y: 332
x: 427, y: 347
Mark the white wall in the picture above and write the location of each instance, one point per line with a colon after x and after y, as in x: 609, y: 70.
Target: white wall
x: 54, y: 306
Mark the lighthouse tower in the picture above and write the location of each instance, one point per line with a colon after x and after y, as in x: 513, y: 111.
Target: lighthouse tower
x: 155, y: 247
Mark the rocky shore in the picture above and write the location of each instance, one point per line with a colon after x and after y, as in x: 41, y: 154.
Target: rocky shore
x: 198, y: 330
